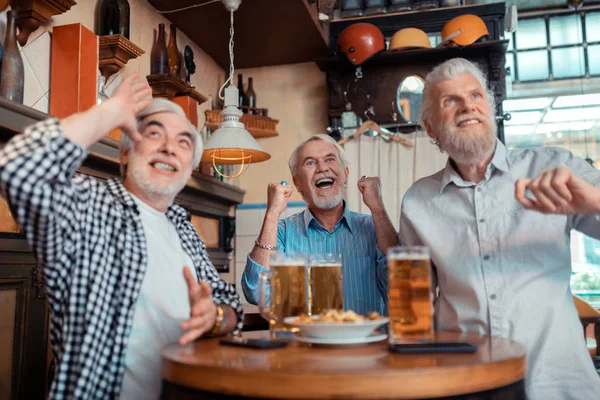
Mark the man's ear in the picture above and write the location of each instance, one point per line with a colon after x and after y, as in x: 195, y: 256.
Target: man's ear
x: 429, y: 130
x: 295, y: 183
x: 124, y: 155
x: 346, y: 173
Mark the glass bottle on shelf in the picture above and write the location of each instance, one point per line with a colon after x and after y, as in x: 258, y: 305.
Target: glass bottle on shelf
x: 424, y: 4
x: 450, y: 3
x: 174, y: 57
x: 109, y: 19
x: 241, y: 97
x: 159, y: 58
x: 12, y: 81
x: 124, y: 18
x: 398, y: 5
x: 250, y: 96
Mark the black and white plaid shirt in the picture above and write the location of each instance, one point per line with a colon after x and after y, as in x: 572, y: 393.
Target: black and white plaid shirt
x: 89, y: 242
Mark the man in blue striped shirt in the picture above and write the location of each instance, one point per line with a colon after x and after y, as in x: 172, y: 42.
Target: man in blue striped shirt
x: 320, y: 173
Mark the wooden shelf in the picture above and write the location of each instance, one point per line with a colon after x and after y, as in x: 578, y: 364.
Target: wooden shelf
x: 114, y: 51
x: 417, y: 56
x: 257, y: 125
x: 170, y: 85
x: 267, y: 32
x: 33, y: 13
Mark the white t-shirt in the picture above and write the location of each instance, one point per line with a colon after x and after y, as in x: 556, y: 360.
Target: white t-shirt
x: 161, y: 306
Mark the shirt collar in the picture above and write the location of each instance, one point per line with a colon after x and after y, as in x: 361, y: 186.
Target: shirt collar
x: 175, y: 213
x: 346, y: 219
x: 499, y: 162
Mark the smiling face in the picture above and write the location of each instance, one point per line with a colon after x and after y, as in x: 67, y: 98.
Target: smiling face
x: 160, y: 164
x: 320, y: 176
x: 462, y: 120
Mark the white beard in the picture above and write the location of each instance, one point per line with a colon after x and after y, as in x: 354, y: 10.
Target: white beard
x: 468, y: 149
x: 326, y: 203
x: 154, y: 187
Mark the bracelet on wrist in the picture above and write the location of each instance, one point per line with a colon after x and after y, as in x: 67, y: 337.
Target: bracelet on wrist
x: 265, y: 246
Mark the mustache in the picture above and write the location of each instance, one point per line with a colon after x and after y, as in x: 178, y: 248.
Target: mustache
x: 322, y: 175
x: 166, y: 159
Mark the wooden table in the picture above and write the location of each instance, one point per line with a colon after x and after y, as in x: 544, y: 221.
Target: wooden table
x: 207, y: 370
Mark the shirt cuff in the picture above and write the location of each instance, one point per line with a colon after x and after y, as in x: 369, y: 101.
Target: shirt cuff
x: 250, y: 279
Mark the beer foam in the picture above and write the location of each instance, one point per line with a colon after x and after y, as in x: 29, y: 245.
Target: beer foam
x: 408, y: 257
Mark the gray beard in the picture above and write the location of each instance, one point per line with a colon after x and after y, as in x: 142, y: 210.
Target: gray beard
x: 324, y: 203
x: 468, y: 150
x: 151, y: 189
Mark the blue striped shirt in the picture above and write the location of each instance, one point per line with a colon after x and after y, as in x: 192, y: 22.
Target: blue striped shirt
x: 364, y: 266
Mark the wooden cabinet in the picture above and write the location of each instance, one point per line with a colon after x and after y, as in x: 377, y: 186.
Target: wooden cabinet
x: 24, y: 321
x: 25, y: 356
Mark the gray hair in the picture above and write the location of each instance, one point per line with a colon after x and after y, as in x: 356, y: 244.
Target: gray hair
x: 326, y: 138
x: 449, y: 70
x: 159, y: 105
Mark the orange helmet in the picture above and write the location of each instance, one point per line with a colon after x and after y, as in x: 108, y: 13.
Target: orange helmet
x: 361, y: 41
x: 464, y: 30
x: 409, y: 38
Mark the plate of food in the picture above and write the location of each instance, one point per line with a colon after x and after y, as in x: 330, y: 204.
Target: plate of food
x: 335, y: 324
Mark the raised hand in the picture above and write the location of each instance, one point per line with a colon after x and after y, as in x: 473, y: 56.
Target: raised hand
x: 277, y: 198
x: 203, y: 310
x: 370, y: 188
x: 132, y: 95
x: 558, y: 191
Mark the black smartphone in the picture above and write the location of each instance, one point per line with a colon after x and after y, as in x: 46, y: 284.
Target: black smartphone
x: 253, y: 343
x: 433, y: 347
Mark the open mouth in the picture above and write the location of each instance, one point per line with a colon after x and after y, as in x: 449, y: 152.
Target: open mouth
x: 324, y: 183
x: 469, y: 122
x: 163, y: 166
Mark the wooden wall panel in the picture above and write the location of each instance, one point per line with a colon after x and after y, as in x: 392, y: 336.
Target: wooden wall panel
x: 74, y: 70
x: 208, y: 230
x: 8, y: 304
x: 7, y: 222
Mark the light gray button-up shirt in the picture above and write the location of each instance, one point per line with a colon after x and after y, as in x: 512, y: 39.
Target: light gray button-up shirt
x: 503, y: 270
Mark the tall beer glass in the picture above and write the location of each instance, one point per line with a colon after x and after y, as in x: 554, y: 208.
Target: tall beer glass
x: 325, y: 283
x: 282, y: 291
x: 409, y: 299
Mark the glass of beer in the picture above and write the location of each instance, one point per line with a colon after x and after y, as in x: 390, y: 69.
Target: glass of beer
x: 409, y: 294
x: 325, y: 284
x: 282, y: 291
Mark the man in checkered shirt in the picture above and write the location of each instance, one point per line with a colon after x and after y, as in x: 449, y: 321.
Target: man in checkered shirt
x: 112, y: 253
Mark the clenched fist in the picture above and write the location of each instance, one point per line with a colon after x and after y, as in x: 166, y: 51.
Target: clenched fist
x: 371, y: 192
x: 277, y: 198
x: 559, y: 191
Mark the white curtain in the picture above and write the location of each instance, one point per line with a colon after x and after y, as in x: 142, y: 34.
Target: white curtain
x: 397, y: 165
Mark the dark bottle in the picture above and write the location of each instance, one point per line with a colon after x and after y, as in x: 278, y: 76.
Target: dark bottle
x: 13, y: 73
x: 450, y: 3
x: 424, y: 4
x: 241, y: 97
x: 174, y: 57
x: 110, y: 17
x: 250, y: 96
x: 399, y: 5
x: 124, y: 18
x: 159, y: 58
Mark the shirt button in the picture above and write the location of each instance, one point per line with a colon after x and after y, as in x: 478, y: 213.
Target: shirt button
x: 486, y: 257
x: 482, y: 220
x: 493, y: 297
x: 479, y: 189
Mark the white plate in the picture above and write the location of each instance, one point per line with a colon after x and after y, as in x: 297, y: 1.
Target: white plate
x: 342, y: 341
x: 333, y: 330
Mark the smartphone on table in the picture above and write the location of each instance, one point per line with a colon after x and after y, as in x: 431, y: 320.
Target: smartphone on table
x: 253, y: 343
x: 433, y: 347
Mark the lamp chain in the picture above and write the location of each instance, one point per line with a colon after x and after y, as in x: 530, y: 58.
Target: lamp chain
x: 231, y: 64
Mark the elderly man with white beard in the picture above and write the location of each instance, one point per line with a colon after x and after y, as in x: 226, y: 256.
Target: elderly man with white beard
x: 320, y: 173
x: 124, y: 270
x: 501, y: 269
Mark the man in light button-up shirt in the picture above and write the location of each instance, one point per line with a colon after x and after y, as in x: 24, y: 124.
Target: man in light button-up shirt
x: 501, y: 269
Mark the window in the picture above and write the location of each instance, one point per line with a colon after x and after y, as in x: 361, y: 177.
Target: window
x: 554, y: 47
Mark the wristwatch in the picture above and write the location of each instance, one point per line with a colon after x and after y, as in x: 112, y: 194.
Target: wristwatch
x: 216, y: 330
